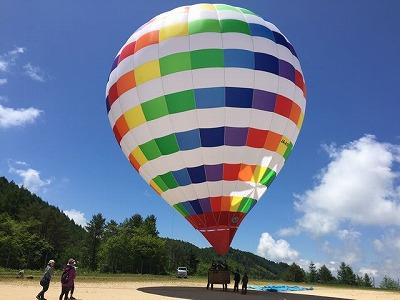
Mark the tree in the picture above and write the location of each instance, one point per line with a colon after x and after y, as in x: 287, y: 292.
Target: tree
x: 193, y: 262
x: 19, y: 248
x: 36, y: 231
x: 149, y: 225
x: 312, y: 273
x: 133, y: 222
x: 346, y: 275
x: 389, y: 284
x: 295, y: 273
x: 325, y: 275
x: 359, y: 281
x: 95, y: 229
x: 110, y: 229
x: 367, y: 280
x: 115, y: 254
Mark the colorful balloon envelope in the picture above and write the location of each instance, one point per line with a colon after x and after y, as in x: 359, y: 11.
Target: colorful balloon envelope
x: 206, y: 102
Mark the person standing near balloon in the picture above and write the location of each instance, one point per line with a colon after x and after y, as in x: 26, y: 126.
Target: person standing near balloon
x: 245, y: 280
x: 236, y: 278
x: 67, y: 279
x: 45, y: 281
x: 71, y: 297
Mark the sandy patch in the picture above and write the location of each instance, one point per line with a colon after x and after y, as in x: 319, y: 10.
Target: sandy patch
x: 21, y: 290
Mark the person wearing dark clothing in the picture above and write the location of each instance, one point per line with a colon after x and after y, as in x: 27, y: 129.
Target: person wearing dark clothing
x: 72, y: 292
x: 67, y: 279
x: 71, y: 297
x: 245, y: 280
x: 236, y: 278
x: 45, y: 281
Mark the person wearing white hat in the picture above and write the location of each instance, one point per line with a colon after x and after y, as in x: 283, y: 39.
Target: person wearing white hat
x: 46, y: 278
x: 67, y: 279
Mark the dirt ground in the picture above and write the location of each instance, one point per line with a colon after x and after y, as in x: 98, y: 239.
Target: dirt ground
x: 21, y: 290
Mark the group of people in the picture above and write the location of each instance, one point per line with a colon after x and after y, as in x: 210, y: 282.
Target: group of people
x: 67, y: 280
x: 236, y: 279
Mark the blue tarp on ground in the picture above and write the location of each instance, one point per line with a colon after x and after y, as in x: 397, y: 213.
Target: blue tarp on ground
x: 279, y: 288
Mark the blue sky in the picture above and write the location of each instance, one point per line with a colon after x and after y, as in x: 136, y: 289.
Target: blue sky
x: 55, y: 136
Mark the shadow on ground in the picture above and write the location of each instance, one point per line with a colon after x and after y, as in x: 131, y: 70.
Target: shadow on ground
x: 200, y: 293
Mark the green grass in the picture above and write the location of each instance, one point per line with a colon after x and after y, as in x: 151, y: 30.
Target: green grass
x: 84, y: 275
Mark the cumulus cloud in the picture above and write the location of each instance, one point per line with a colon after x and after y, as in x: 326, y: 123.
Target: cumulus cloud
x: 388, y: 245
x: 3, y: 81
x: 12, y: 117
x: 350, y: 253
x: 276, y: 250
x: 30, y: 177
x: 357, y: 186
x: 78, y: 217
x: 34, y: 72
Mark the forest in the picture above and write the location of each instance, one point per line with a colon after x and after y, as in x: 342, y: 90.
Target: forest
x: 32, y: 232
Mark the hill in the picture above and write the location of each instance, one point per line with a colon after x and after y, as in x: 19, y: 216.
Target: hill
x: 198, y: 260
x: 33, y: 231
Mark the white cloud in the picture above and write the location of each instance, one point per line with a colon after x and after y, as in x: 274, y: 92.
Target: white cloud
x: 21, y: 163
x: 16, y: 51
x: 34, y: 72
x: 347, y: 250
x: 30, y: 177
x: 369, y: 271
x: 276, y: 250
x: 289, y: 231
x: 3, y: 80
x: 7, y: 59
x: 3, y: 65
x: 10, y: 117
x: 357, y: 186
x: 388, y: 245
x: 346, y: 234
x: 378, y: 245
x: 305, y: 264
x: 77, y: 216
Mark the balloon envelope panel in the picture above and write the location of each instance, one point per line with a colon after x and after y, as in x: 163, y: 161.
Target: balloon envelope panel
x: 206, y: 102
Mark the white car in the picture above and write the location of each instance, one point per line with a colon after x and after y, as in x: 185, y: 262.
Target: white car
x: 182, y: 272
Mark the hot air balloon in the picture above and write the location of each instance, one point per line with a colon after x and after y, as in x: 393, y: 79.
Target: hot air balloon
x: 206, y: 102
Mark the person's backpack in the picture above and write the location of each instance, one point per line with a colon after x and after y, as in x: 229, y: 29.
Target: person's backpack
x: 65, y: 276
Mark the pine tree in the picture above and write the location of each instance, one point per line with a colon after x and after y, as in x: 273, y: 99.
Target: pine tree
x: 367, y: 281
x: 95, y: 229
x: 312, y: 273
x: 389, y: 284
x: 341, y: 274
x: 346, y: 275
x: 295, y: 273
x: 325, y: 275
x: 359, y: 281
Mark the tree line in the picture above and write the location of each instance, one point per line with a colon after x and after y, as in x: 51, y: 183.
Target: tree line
x: 345, y: 275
